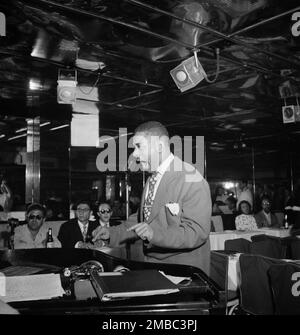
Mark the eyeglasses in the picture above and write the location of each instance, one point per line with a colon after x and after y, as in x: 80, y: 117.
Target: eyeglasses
x: 102, y: 211
x: 32, y: 217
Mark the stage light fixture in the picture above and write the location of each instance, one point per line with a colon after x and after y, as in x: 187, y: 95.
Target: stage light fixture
x: 291, y: 114
x: 190, y: 72
x: 66, y: 89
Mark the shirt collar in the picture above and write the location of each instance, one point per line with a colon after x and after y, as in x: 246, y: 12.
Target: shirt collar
x: 165, y: 164
x: 81, y: 225
x: 104, y: 224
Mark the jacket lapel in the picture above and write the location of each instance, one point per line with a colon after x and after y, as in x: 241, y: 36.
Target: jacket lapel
x: 160, y: 196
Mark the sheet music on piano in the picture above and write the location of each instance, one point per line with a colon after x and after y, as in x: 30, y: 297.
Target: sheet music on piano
x: 32, y: 287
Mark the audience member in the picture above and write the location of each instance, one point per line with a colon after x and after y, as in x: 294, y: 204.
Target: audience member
x: 77, y: 232
x: 105, y: 213
x: 34, y: 233
x: 219, y: 199
x: 265, y: 218
x: 229, y: 218
x: 245, y: 220
x: 244, y: 193
x: 231, y: 204
x: 5, y: 196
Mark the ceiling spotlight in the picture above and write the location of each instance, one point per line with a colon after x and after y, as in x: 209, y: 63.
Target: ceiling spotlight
x: 291, y: 114
x: 66, y: 89
x: 188, y: 74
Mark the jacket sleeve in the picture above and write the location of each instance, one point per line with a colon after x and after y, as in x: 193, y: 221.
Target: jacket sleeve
x: 191, y: 227
x: 64, y: 237
x: 119, y: 234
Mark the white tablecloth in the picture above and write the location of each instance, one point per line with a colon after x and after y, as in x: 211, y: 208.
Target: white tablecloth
x: 217, y: 239
x: 234, y: 272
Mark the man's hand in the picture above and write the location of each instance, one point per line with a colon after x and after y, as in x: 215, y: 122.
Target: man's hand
x: 100, y: 233
x: 143, y: 230
x: 80, y: 245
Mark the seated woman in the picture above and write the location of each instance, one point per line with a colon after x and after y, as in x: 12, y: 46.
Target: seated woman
x: 219, y: 200
x: 245, y: 220
x: 34, y: 233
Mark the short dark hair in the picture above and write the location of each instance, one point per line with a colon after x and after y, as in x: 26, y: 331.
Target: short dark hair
x: 36, y: 207
x: 154, y: 128
x: 244, y: 202
x: 85, y: 202
x: 266, y: 197
x: 232, y: 200
x: 104, y: 203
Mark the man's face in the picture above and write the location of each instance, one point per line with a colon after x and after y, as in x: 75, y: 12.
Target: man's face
x: 266, y: 205
x: 83, y: 212
x: 146, y: 150
x: 35, y: 219
x: 104, y: 213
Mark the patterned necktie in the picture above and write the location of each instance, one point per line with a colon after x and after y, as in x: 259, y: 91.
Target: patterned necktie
x: 150, y: 197
x: 84, y: 232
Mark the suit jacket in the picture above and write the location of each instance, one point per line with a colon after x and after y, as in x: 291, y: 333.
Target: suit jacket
x: 70, y: 233
x: 262, y: 221
x: 182, y: 238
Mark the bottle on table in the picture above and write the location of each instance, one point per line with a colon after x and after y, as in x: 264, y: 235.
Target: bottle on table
x: 49, y: 241
x: 286, y: 222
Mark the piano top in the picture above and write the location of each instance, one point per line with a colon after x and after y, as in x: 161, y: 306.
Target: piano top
x: 200, y: 294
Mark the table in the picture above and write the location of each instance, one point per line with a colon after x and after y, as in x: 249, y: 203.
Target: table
x: 217, y: 239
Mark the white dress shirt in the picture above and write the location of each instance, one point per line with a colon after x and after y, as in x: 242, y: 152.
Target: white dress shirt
x: 104, y: 224
x: 81, y: 226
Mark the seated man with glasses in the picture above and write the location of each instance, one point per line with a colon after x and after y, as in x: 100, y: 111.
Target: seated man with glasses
x: 34, y: 233
x: 77, y: 233
x: 265, y: 218
x: 105, y: 213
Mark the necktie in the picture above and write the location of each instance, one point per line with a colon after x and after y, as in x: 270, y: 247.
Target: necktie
x: 150, y: 197
x: 84, y: 232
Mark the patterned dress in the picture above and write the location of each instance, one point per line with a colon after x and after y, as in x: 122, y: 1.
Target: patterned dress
x: 245, y: 222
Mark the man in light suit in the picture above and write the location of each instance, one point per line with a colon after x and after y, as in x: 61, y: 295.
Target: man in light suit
x: 265, y: 218
x: 175, y: 206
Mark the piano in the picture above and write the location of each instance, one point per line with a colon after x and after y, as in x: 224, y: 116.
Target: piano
x: 200, y: 295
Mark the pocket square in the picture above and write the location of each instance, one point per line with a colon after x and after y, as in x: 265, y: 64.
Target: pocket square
x: 173, y: 208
